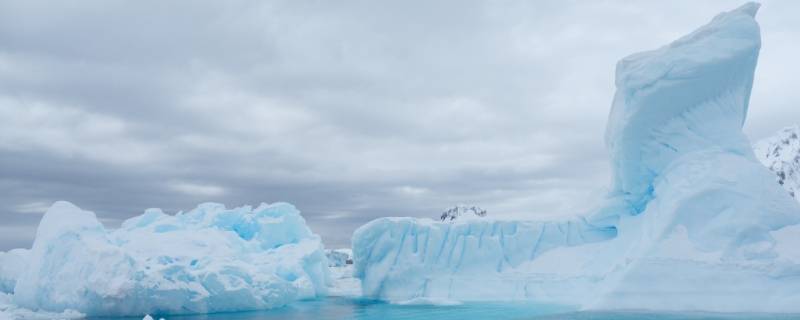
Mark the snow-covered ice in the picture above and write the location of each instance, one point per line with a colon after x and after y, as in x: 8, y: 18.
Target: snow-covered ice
x: 210, y: 259
x: 692, y: 221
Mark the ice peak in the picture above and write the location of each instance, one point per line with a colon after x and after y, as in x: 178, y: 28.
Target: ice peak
x: 689, y: 95
x: 749, y: 8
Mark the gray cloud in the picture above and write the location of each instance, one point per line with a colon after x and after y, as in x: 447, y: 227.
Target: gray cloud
x: 349, y: 110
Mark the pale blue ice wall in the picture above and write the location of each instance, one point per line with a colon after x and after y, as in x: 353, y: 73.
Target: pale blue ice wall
x: 399, y: 258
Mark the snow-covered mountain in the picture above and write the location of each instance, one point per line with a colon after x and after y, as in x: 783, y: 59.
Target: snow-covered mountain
x: 339, y: 257
x: 781, y: 154
x: 462, y: 211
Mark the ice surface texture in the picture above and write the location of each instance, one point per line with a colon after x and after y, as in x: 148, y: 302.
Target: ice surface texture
x: 210, y: 259
x: 10, y: 311
x: 12, y: 264
x: 405, y: 258
x: 693, y: 221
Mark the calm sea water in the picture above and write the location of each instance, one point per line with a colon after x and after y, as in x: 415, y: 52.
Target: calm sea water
x: 345, y: 308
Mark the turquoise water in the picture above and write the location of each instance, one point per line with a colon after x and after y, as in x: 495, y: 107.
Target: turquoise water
x: 344, y: 308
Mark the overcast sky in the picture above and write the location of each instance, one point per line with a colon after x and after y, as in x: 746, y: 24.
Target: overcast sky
x: 350, y: 110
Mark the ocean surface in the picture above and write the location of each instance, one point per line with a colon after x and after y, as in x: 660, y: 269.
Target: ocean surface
x: 348, y: 308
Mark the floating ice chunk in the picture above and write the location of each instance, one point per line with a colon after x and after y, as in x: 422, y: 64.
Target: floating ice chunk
x: 210, y: 259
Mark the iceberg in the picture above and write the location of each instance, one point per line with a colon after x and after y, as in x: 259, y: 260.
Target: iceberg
x: 692, y: 221
x: 210, y: 259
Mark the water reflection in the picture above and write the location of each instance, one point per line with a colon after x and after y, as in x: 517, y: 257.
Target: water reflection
x: 360, y: 309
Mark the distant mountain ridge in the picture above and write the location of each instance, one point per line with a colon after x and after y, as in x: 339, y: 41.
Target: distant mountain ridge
x: 462, y: 211
x: 781, y: 154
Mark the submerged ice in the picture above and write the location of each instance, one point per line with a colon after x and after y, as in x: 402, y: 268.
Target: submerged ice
x: 210, y: 259
x: 692, y: 222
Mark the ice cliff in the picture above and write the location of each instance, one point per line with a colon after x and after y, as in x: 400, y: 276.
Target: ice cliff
x: 692, y: 222
x: 210, y: 259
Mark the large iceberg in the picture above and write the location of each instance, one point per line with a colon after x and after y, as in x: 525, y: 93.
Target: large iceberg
x: 692, y: 222
x: 210, y: 259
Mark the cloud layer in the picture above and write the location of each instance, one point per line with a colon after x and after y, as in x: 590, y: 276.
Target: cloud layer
x: 350, y: 110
